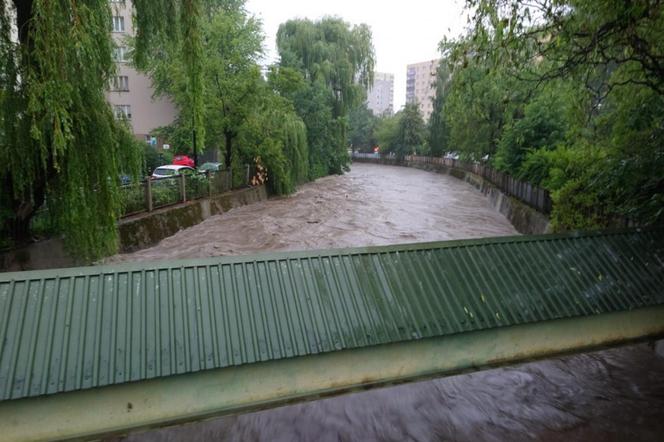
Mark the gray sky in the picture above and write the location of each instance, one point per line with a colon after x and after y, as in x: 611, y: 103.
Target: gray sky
x: 403, y: 31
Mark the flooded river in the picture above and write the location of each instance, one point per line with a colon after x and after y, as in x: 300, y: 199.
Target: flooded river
x: 371, y: 205
x: 612, y: 395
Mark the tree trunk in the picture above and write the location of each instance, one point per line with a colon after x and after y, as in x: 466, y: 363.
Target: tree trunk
x: 228, y: 137
x: 23, y: 207
x: 17, y: 226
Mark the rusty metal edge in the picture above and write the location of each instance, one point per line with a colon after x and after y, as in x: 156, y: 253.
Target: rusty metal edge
x: 118, y: 409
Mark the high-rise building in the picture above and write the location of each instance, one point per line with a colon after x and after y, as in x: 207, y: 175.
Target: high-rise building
x: 130, y: 92
x: 421, y: 85
x: 380, y: 98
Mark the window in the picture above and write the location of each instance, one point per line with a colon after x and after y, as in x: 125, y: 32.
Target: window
x: 164, y: 171
x: 120, y: 54
x: 122, y: 111
x: 120, y: 83
x: 118, y: 23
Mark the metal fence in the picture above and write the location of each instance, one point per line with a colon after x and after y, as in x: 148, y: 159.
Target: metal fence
x: 525, y: 192
x: 148, y: 195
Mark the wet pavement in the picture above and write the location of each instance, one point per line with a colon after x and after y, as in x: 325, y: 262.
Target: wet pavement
x: 612, y: 395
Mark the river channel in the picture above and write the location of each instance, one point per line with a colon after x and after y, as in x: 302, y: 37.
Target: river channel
x: 611, y: 395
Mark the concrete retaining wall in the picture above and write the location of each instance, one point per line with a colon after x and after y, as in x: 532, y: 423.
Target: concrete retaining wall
x: 136, y: 232
x: 147, y: 229
x: 524, y: 218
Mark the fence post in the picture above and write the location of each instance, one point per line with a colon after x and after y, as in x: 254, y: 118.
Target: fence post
x: 209, y: 183
x: 246, y: 180
x: 183, y: 189
x: 148, y: 193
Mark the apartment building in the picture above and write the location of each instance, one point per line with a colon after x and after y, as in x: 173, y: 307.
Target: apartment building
x: 380, y: 97
x: 421, y: 85
x: 130, y: 92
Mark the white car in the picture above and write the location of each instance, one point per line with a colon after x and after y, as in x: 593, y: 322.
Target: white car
x: 171, y: 170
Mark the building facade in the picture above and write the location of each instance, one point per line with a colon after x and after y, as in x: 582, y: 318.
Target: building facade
x: 130, y: 92
x: 380, y: 98
x: 421, y: 85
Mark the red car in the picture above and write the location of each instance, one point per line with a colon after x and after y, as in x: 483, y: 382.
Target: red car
x: 183, y: 160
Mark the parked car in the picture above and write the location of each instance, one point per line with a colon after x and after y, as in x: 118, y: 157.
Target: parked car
x: 183, y: 160
x: 210, y: 167
x: 171, y: 170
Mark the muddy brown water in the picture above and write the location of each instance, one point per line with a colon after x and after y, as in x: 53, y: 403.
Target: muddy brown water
x: 611, y: 395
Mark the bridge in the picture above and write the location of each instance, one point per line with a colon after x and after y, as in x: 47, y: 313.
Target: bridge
x: 95, y: 351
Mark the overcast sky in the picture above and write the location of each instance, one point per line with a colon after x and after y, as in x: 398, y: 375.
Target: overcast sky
x: 403, y: 31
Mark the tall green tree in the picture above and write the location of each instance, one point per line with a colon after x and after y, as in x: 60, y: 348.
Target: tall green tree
x: 387, y: 133
x: 362, y: 128
x: 411, y: 131
x: 542, y: 126
x: 336, y: 61
x: 438, y: 129
x: 60, y: 146
x: 567, y: 95
x: 230, y: 75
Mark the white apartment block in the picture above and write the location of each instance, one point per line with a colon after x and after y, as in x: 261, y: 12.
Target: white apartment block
x: 421, y: 85
x: 380, y: 97
x: 130, y: 92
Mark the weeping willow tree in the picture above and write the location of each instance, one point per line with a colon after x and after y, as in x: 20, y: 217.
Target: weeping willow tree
x: 337, y: 61
x: 276, y: 134
x: 60, y: 145
x: 244, y: 117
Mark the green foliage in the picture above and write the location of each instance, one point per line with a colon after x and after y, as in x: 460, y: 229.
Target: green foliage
x: 475, y: 107
x: 133, y: 198
x: 362, y: 128
x: 542, y: 127
x: 387, y: 133
x: 60, y: 146
x: 230, y: 42
x: 152, y: 158
x: 171, y: 30
x: 335, y: 65
x: 438, y: 129
x: 278, y: 136
x: 243, y: 116
x: 411, y: 131
x: 165, y: 191
x: 567, y: 95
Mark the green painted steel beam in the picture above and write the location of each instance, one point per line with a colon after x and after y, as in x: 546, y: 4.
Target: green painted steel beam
x: 120, y: 408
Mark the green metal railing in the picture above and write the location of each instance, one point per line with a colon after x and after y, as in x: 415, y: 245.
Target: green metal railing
x: 78, y: 345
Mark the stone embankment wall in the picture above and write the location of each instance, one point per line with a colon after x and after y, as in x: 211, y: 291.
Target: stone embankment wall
x: 136, y: 232
x: 524, y: 218
x: 147, y: 229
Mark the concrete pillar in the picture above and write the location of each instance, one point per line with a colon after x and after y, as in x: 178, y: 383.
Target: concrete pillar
x: 148, y: 193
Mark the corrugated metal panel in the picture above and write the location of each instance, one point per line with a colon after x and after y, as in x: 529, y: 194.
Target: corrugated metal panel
x: 73, y: 329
